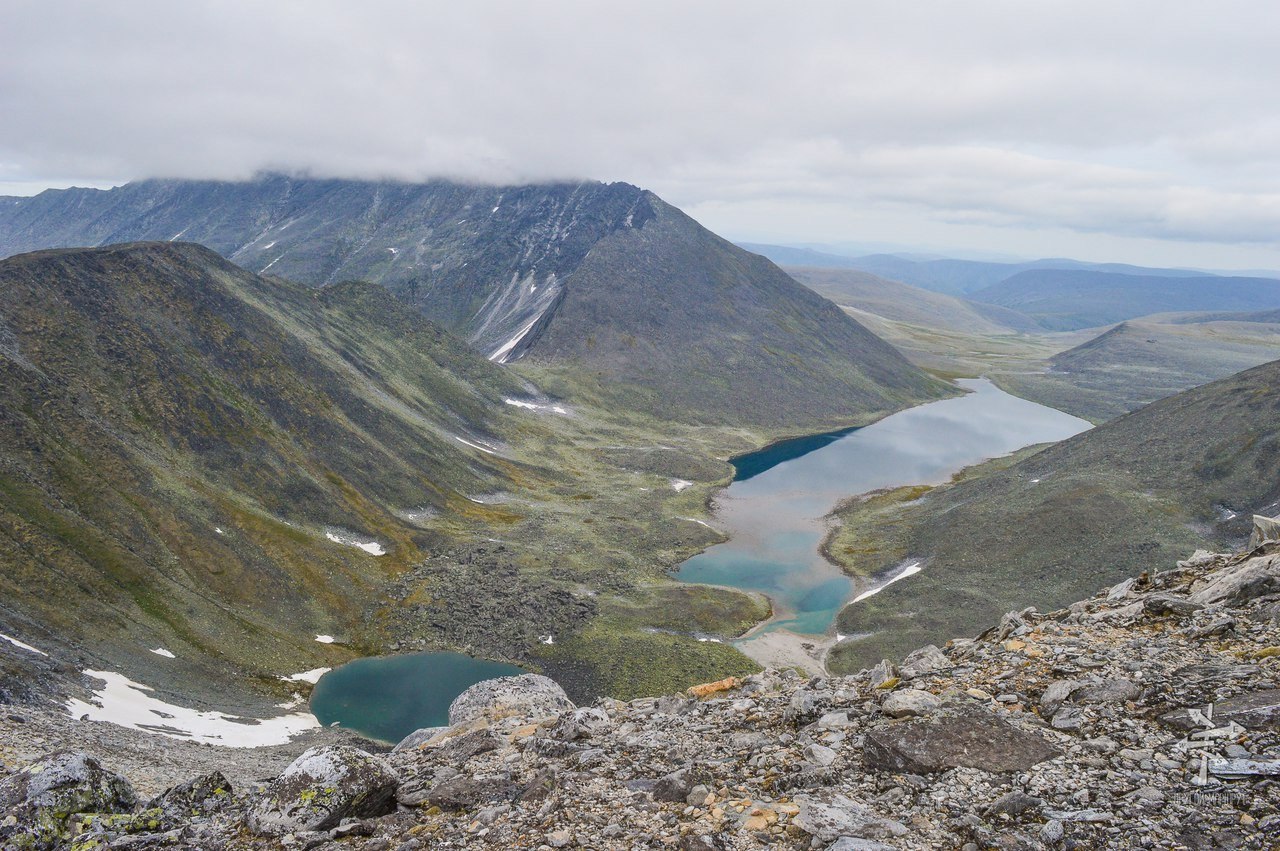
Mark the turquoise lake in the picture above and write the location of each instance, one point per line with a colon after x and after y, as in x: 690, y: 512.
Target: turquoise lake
x: 773, y: 511
x: 388, y: 697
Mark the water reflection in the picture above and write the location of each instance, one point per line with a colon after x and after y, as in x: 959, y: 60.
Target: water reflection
x: 774, y: 512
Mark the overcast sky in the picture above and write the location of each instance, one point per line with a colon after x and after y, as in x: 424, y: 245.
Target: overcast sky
x: 1137, y: 131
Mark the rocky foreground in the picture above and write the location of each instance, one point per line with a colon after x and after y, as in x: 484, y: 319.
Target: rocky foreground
x: 1145, y: 717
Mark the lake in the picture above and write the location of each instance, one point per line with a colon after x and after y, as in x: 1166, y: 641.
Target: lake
x: 773, y: 511
x: 388, y: 697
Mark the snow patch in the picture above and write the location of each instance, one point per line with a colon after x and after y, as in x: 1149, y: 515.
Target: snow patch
x: 910, y: 570
x: 218, y: 529
x: 701, y: 523
x: 503, y: 353
x: 394, y: 250
x: 269, y: 265
x: 537, y: 406
x: 313, y: 676
x: 180, y: 233
x: 347, y: 539
x: 125, y: 703
x: 489, y: 450
x: 16, y: 643
x: 325, y: 639
x: 269, y: 245
x: 547, y: 639
x: 160, y: 651
x: 678, y: 485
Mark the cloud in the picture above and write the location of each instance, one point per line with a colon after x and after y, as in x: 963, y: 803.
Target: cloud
x: 1139, y: 118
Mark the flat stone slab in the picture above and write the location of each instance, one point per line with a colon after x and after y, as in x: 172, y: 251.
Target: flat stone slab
x: 1256, y: 710
x: 971, y: 739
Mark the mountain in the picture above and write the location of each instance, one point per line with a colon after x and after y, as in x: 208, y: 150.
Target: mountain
x: 1143, y: 489
x: 604, y: 286
x: 195, y: 457
x: 1142, y: 360
x: 963, y: 277
x: 904, y: 303
x: 1066, y: 300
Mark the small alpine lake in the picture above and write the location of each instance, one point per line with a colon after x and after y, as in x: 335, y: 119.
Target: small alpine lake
x: 388, y: 697
x: 774, y: 510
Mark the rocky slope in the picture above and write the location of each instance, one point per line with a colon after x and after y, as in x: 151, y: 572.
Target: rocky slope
x: 1145, y: 717
x: 622, y: 294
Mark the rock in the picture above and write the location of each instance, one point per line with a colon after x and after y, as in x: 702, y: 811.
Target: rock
x: 673, y: 787
x: 830, y: 815
x: 882, y: 673
x: 322, y: 787
x: 38, y: 801
x: 1052, y: 832
x: 418, y: 738
x: 820, y: 755
x: 1159, y: 605
x: 203, y: 796
x: 708, y: 689
x: 539, y: 788
x: 1258, y: 710
x: 852, y: 843
x: 466, y: 793
x: 1238, y: 584
x: 526, y: 697
x: 458, y: 750
x: 559, y: 838
x: 923, y: 661
x: 1014, y: 804
x: 909, y: 702
x: 973, y: 738
x: 1107, y: 691
x: 1266, y: 530
x: 581, y: 724
x: 1056, y: 694
x: 1067, y: 718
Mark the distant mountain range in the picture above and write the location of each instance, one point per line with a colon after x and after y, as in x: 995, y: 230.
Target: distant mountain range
x: 605, y: 287
x: 1066, y: 300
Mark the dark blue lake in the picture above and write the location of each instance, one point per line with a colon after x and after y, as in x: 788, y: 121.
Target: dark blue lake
x: 388, y: 697
x: 774, y: 509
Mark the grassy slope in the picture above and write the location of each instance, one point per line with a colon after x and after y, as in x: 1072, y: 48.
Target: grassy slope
x: 1140, y: 361
x: 154, y: 393
x: 1140, y: 490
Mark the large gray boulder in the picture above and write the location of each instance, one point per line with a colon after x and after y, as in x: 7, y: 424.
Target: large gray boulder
x: 1255, y: 710
x: 37, y: 802
x: 1265, y: 531
x: 528, y: 697
x: 1240, y: 583
x: 321, y: 788
x: 972, y: 738
x: 828, y: 815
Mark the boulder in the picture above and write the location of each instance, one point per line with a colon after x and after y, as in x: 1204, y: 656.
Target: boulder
x: 1107, y: 691
x: 418, y: 738
x: 38, y: 801
x: 467, y: 793
x: 926, y: 660
x: 1257, y: 710
x: 204, y: 796
x: 322, y: 787
x: 1159, y: 605
x: 1056, y: 694
x: 1266, y: 530
x: 828, y: 815
x: 909, y: 702
x: 528, y: 697
x: 674, y: 787
x: 971, y: 738
x: 1240, y: 583
x: 581, y: 724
